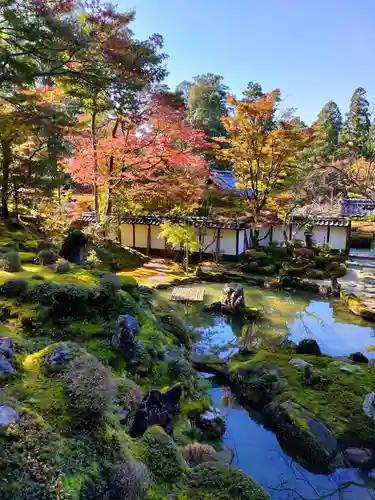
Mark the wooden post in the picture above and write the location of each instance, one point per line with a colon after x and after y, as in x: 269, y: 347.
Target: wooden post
x: 348, y: 231
x: 237, y: 243
x: 290, y: 231
x: 271, y: 234
x: 218, y: 245
x: 328, y: 232
x: 133, y: 235
x: 148, y: 239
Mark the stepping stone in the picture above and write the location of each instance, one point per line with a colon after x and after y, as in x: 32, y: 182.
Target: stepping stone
x: 299, y: 363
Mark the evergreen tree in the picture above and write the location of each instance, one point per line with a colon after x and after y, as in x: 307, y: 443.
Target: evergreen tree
x: 355, y: 134
x: 330, y: 124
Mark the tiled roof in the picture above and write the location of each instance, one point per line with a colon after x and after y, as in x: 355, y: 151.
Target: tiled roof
x: 88, y: 217
x: 190, y: 221
x: 321, y: 220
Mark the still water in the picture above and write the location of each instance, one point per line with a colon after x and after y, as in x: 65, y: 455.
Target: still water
x: 296, y: 315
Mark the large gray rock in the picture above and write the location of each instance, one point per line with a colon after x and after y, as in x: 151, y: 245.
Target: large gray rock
x: 61, y: 355
x: 125, y: 340
x: 6, y: 347
x: 157, y: 408
x: 299, y: 363
x: 211, y: 423
x: 359, y: 457
x: 369, y: 405
x: 233, y: 299
x: 346, y: 367
x: 8, y: 415
x: 73, y: 248
x: 308, y: 346
x: 6, y: 366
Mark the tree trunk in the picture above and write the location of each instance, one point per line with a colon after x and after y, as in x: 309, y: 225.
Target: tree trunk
x: 110, y: 174
x: 5, y: 145
x: 95, y: 159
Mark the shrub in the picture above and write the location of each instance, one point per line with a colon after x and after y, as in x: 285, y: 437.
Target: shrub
x: 88, y: 383
x: 317, y: 274
x: 128, y: 394
x: 162, y: 455
x: 250, y: 267
x: 130, y: 285
x: 271, y: 269
x: 222, y: 482
x: 10, y: 262
x: 130, y: 481
x: 62, y: 267
x: 336, y: 269
x: 13, y: 287
x: 321, y: 262
x: 47, y: 257
x: 303, y: 254
x: 197, y: 453
x: 27, y: 257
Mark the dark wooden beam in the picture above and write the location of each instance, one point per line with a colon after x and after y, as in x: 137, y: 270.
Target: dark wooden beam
x: 328, y: 233
x: 148, y: 239
x: 348, y: 231
x: 290, y: 231
x: 133, y: 235
x: 271, y: 234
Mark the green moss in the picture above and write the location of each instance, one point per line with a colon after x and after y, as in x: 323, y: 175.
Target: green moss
x: 27, y: 257
x: 102, y: 349
x: 329, y: 401
x: 212, y: 481
x: 162, y: 455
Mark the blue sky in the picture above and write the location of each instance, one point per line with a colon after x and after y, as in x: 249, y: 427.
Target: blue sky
x: 313, y: 50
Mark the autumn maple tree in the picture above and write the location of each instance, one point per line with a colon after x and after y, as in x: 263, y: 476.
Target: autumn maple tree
x: 261, y: 147
x: 157, y: 162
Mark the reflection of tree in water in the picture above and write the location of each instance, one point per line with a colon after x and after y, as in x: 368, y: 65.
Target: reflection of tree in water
x: 345, y: 490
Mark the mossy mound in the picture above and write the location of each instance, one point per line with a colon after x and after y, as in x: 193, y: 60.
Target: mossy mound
x: 108, y: 255
x: 213, y: 481
x: 162, y: 455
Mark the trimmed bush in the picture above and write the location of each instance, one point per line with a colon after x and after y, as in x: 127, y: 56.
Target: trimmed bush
x: 27, y: 257
x: 220, y: 482
x: 47, y: 257
x: 130, y: 481
x: 336, y: 269
x: 62, y: 267
x: 10, y: 262
x: 198, y: 453
x: 162, y: 455
x: 128, y: 394
x: 250, y: 267
x: 321, y: 262
x: 88, y: 383
x: 13, y: 287
x: 317, y: 274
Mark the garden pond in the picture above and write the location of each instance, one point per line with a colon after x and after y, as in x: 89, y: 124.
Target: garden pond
x: 296, y: 315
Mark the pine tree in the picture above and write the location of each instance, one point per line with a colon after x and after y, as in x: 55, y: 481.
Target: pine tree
x: 330, y: 124
x: 355, y: 134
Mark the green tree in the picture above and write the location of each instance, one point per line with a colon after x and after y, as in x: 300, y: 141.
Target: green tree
x: 180, y: 237
x: 253, y: 92
x: 354, y: 139
x: 329, y: 123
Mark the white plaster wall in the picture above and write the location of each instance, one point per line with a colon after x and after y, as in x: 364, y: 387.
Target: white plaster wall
x: 319, y: 237
x: 141, y: 235
x: 228, y: 241
x: 241, y: 243
x: 209, y: 242
x: 157, y: 243
x: 337, y: 237
x: 278, y: 235
x: 262, y: 234
x: 127, y: 234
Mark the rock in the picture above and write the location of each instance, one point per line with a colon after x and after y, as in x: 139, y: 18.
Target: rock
x: 125, y: 340
x: 6, y: 366
x: 252, y: 314
x: 346, y: 367
x: 369, y: 405
x: 212, y: 424
x: 358, y: 357
x: 371, y: 474
x: 60, y: 356
x: 258, y: 384
x: 312, y: 444
x: 73, y: 247
x: 308, y: 346
x: 6, y: 347
x: 359, y: 457
x: 8, y: 415
x: 156, y: 408
x: 233, y: 299
x: 299, y: 363
x: 285, y: 343
x: 215, y: 307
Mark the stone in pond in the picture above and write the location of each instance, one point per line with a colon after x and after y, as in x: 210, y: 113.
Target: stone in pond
x: 358, y: 357
x: 6, y: 366
x: 308, y: 346
x: 6, y: 347
x: 8, y: 415
x: 359, y: 457
x: 299, y: 363
x: 212, y: 424
x: 73, y: 247
x: 233, y: 299
x: 369, y: 405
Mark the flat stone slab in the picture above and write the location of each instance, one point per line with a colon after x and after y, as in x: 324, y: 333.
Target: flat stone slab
x: 299, y: 363
x: 187, y: 294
